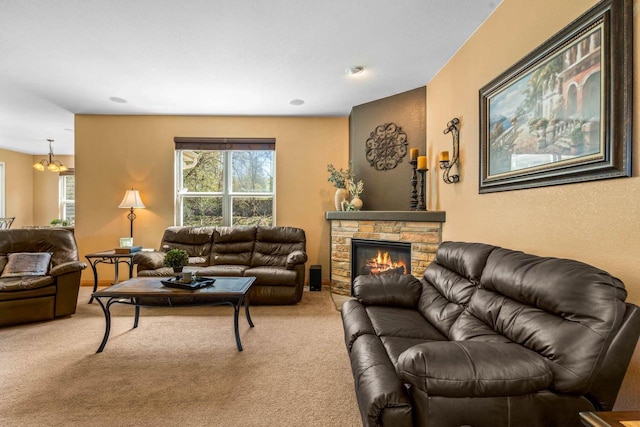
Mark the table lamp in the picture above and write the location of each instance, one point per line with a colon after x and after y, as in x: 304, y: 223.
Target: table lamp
x: 131, y: 201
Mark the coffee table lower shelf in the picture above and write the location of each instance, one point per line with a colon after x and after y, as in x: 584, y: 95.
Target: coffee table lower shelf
x: 226, y: 291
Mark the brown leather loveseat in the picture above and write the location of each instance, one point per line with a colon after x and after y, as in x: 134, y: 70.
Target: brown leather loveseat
x: 489, y: 337
x: 32, y: 294
x: 275, y: 256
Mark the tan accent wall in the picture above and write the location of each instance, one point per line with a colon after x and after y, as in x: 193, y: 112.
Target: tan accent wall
x: 46, y: 188
x: 19, y: 186
x: 595, y: 222
x: 115, y: 153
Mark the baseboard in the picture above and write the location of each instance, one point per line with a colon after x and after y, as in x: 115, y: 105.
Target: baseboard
x: 101, y: 283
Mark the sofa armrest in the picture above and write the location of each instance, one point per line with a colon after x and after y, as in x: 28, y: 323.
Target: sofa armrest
x: 294, y: 258
x: 355, y: 321
x: 67, y: 267
x: 474, y: 369
x: 396, y: 290
x: 149, y: 260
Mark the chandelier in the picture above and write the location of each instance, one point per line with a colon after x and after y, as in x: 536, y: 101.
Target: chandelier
x: 51, y: 164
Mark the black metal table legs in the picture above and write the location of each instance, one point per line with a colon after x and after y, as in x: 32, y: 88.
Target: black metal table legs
x: 106, y: 309
x: 115, y: 260
x: 236, y: 311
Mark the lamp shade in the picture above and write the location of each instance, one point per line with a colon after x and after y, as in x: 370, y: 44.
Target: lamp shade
x: 132, y: 200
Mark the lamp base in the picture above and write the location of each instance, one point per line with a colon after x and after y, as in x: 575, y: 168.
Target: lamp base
x: 131, y: 217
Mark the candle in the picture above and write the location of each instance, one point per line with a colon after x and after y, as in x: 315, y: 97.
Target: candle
x: 444, y: 156
x: 422, y: 162
x: 413, y: 153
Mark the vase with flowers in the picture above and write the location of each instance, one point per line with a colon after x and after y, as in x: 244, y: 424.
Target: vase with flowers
x: 339, y: 178
x: 355, y: 189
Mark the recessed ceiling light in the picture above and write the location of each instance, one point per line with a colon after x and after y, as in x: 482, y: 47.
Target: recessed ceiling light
x: 296, y: 102
x: 352, y: 71
x: 118, y: 100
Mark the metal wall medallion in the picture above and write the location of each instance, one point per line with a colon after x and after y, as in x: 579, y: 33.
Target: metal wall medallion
x: 386, y: 146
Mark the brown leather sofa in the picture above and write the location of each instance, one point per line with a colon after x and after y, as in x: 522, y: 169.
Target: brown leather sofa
x: 489, y: 337
x: 44, y: 297
x: 275, y: 256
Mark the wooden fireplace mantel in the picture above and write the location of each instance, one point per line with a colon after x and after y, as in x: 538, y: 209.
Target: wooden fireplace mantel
x: 414, y: 216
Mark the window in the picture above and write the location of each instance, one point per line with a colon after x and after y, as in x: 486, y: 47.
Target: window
x: 67, y: 196
x: 225, y: 181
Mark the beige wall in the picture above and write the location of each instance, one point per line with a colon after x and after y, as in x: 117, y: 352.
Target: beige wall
x: 19, y: 186
x: 596, y: 222
x: 115, y: 153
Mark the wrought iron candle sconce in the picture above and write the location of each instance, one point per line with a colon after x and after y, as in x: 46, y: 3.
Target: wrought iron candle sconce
x: 453, y: 127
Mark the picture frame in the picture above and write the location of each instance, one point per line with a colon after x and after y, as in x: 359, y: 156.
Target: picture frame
x: 563, y: 113
x: 126, y: 242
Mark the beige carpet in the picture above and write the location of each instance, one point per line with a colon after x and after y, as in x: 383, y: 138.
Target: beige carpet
x: 180, y: 367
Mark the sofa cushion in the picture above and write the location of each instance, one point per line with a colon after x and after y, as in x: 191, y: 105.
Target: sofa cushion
x: 198, y: 261
x: 565, y: 310
x: 157, y: 272
x: 27, y: 264
x: 223, y: 270
x: 469, y: 368
x: 195, y: 240
x: 466, y: 259
x: 233, y: 245
x: 401, y: 322
x: 40, y: 285
x: 274, y: 244
x: 279, y: 276
x: 450, y: 281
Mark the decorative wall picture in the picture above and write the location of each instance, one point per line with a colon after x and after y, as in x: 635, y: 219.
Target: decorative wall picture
x: 553, y: 117
x: 386, y: 146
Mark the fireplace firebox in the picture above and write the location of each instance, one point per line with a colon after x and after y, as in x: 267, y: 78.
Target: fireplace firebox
x: 379, y: 257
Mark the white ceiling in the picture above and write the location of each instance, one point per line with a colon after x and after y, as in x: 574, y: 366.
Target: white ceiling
x: 213, y: 57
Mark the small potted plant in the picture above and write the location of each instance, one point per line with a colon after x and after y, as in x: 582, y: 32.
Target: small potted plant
x: 176, y: 259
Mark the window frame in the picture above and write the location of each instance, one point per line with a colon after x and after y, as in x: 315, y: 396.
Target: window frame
x: 227, y: 179
x: 63, y: 202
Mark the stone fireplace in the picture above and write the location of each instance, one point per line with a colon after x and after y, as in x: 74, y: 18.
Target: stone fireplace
x: 420, y: 231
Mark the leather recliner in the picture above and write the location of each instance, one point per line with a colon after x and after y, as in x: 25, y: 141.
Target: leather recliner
x: 489, y: 337
x: 35, y: 298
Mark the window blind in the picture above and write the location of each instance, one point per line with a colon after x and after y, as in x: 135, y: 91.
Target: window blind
x: 221, y: 144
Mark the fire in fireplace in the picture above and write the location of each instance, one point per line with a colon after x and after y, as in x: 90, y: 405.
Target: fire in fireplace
x: 379, y: 257
x: 384, y: 263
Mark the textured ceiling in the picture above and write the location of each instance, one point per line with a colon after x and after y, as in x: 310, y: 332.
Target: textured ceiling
x: 213, y: 57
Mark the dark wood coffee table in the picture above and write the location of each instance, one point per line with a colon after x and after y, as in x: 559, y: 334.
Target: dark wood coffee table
x: 225, y: 291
